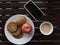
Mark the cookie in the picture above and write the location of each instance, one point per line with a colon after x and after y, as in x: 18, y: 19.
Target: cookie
x: 19, y: 36
x: 12, y: 27
x: 17, y: 32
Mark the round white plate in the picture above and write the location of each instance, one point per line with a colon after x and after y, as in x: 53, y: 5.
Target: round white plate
x: 26, y: 37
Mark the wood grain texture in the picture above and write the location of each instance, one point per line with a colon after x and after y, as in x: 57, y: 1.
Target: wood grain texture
x: 9, y: 8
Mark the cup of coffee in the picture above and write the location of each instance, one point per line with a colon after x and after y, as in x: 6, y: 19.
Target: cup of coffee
x: 46, y: 28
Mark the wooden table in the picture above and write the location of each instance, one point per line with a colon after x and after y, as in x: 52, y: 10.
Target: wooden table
x: 9, y: 8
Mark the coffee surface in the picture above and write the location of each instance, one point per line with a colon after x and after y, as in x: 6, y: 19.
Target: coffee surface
x: 46, y: 28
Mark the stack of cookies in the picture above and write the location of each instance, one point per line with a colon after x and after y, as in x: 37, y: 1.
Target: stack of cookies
x: 15, y: 30
x: 15, y: 27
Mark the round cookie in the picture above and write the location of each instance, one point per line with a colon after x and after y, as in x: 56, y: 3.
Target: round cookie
x: 12, y: 27
x: 17, y: 32
x: 19, y: 36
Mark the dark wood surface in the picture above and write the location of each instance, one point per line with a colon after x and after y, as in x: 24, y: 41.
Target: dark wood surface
x: 9, y: 8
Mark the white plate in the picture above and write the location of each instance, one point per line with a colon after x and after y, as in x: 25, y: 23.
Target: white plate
x: 26, y: 37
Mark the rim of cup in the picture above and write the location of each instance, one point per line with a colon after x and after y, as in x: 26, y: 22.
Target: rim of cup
x: 46, y: 22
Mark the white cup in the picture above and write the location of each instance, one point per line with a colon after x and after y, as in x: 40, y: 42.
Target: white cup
x: 46, y: 28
